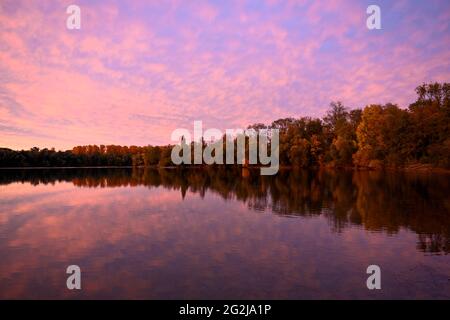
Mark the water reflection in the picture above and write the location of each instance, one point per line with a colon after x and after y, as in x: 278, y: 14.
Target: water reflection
x: 378, y: 201
x: 219, y: 233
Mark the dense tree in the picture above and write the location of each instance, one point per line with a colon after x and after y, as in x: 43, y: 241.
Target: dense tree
x: 430, y: 124
x: 388, y: 135
x: 378, y: 135
x: 383, y: 136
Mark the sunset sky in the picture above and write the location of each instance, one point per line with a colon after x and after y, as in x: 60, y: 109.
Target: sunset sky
x: 137, y: 70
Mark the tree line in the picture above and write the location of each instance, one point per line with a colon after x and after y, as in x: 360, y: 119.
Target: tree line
x: 375, y: 136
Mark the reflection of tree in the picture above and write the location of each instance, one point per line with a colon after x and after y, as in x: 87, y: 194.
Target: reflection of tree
x: 378, y: 201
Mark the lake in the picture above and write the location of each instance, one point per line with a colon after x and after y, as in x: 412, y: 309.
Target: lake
x: 223, y: 234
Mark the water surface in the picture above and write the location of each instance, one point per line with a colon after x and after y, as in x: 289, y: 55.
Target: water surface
x: 223, y: 234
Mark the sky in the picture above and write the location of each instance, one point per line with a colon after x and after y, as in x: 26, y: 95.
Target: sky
x: 137, y: 70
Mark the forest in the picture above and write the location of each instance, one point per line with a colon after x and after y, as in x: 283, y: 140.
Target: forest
x: 373, y: 137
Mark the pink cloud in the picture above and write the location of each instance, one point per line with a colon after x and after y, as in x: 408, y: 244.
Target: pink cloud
x: 135, y: 72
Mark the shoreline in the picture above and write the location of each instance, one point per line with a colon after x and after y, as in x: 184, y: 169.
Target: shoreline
x: 418, y: 168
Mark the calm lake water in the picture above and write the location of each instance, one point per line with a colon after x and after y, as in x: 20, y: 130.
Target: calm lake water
x: 216, y: 234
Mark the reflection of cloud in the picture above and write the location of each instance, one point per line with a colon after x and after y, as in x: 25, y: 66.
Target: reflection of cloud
x: 149, y: 243
x: 228, y: 64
